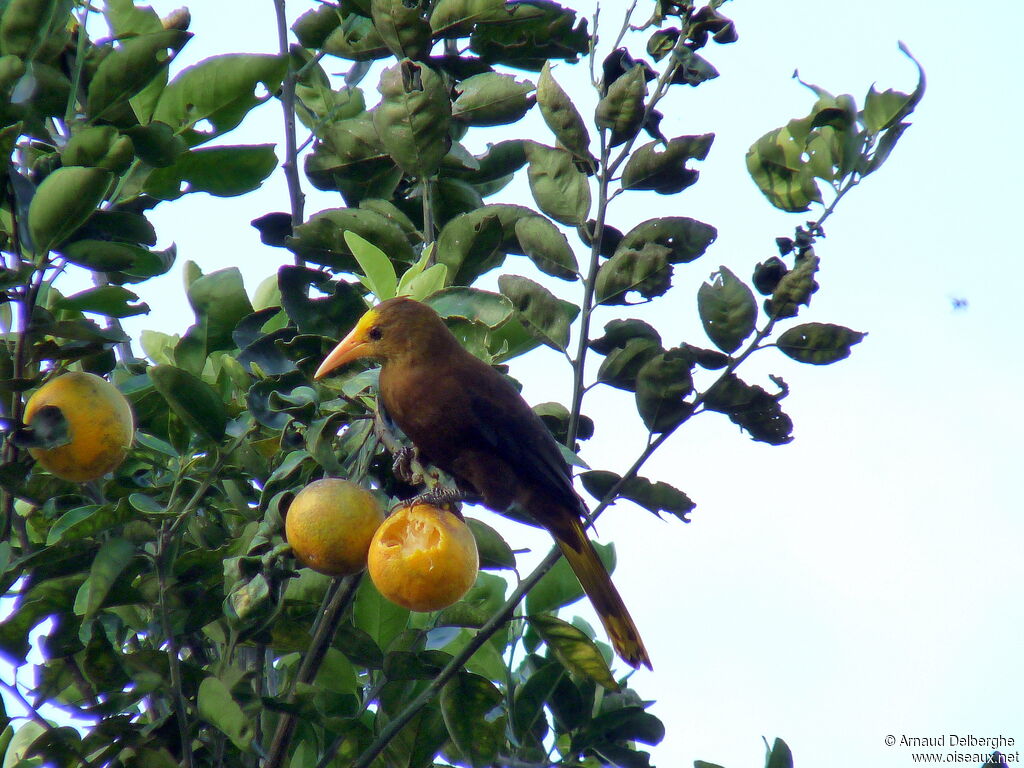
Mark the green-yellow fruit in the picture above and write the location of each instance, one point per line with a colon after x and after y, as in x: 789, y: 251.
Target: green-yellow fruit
x: 100, y: 426
x: 330, y: 523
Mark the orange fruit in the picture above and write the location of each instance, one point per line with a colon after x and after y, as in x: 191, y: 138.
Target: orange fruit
x: 100, y: 426
x: 330, y: 523
x: 423, y: 558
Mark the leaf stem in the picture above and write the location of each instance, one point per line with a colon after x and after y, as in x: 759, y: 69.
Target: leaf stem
x: 76, y: 76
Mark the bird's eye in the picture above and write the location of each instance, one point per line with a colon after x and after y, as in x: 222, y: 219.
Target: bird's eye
x: 375, y: 333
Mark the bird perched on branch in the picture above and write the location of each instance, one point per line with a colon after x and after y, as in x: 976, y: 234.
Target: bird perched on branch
x: 466, y: 418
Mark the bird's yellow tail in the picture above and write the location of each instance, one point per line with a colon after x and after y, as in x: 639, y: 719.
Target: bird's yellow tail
x: 596, y: 582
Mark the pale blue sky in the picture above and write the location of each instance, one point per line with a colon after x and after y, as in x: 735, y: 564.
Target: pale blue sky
x: 865, y: 579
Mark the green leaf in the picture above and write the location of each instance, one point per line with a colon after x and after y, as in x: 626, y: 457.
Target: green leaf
x: 779, y: 756
x: 532, y: 33
x: 218, y: 707
x: 795, y: 288
x: 494, y: 551
x: 490, y: 309
x: 628, y: 724
x: 356, y: 37
x: 727, y: 310
x: 119, y: 227
x: 471, y: 244
x: 378, y: 617
x: 427, y: 282
x: 99, y: 146
x: 19, y: 748
x: 574, y: 649
x: 561, y: 190
x: 456, y: 18
x: 321, y: 239
x: 562, y: 117
x: 130, y: 67
x: 103, y: 255
x: 662, y: 167
x: 622, y: 365
x: 379, y: 272
x: 883, y: 111
x: 43, y: 599
x: 559, y: 586
x: 63, y: 202
x: 775, y: 163
x: 654, y: 497
x: 661, y: 43
x: 402, y: 27
x: 413, y: 116
x: 751, y: 408
x: 314, y: 26
x: 491, y: 98
x: 466, y: 704
x: 618, y: 333
x: 219, y: 302
x: 82, y: 522
x: 193, y: 400
x: 662, y: 384
x: 556, y: 418
x: 818, y: 343
x: 646, y: 271
x: 113, y: 557
x: 531, y: 696
x: 220, y: 90
x: 226, y: 171
x: 686, y: 239
x: 621, y: 110
x: 544, y: 315
x: 108, y: 300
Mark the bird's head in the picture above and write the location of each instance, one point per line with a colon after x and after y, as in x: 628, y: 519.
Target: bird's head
x: 394, y: 329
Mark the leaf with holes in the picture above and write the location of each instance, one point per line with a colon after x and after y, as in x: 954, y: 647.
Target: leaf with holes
x: 727, y: 310
x: 818, y: 343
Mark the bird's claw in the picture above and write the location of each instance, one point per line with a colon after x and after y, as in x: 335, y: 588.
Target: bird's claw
x: 440, y: 496
x: 402, y: 465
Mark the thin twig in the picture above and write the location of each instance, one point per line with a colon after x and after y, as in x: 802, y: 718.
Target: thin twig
x: 428, y: 216
x: 37, y: 718
x: 290, y: 166
x: 329, y: 620
x: 163, y: 567
x: 26, y: 307
x: 589, y: 290
x: 454, y: 666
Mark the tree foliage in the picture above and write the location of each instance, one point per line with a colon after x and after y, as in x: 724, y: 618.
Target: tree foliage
x: 181, y: 630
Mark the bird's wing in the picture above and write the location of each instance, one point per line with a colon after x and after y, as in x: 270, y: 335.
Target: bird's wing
x: 507, y: 425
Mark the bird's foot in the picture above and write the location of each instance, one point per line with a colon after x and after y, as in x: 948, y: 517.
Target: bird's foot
x: 441, y: 496
x: 402, y: 465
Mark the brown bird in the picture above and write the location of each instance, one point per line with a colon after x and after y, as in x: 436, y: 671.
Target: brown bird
x: 466, y: 418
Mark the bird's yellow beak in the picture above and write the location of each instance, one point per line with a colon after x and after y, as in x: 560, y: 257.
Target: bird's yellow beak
x: 352, y: 347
